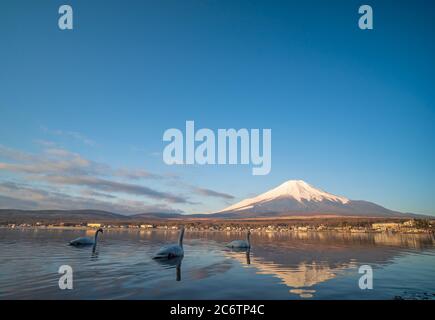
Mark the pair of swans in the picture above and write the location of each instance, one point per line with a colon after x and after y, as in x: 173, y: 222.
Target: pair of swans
x: 168, y: 251
x: 173, y: 253
x: 176, y: 250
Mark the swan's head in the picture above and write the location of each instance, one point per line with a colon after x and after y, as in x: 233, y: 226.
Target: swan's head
x: 100, y: 230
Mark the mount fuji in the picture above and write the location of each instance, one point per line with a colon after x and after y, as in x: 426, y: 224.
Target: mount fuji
x: 298, y: 198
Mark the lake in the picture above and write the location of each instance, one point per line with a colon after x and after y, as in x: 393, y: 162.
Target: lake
x: 278, y: 266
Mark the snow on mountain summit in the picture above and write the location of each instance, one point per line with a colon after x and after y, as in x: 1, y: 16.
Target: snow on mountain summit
x: 300, y: 190
x: 293, y: 190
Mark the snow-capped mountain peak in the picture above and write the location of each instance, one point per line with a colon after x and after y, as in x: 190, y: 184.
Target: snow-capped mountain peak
x: 297, y: 191
x: 300, y: 191
x: 298, y: 198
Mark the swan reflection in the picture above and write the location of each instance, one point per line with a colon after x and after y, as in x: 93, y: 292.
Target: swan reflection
x: 240, y: 252
x: 171, y: 263
x: 95, y: 254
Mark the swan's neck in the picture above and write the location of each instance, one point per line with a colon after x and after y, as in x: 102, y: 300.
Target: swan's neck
x: 180, y: 239
x: 96, y: 237
x: 248, y: 238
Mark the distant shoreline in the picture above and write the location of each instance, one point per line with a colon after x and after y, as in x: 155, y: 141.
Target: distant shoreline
x: 259, y: 229
x: 86, y: 219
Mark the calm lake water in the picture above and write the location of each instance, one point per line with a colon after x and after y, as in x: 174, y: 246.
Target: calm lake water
x: 279, y: 266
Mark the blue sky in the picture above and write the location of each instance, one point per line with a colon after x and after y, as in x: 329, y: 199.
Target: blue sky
x: 351, y: 111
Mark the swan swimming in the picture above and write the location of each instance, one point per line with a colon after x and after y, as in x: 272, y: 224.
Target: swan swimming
x: 241, y: 243
x: 86, y: 241
x: 171, y: 250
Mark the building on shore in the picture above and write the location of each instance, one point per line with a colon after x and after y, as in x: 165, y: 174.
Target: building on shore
x: 94, y: 225
x: 386, y: 226
x: 410, y: 223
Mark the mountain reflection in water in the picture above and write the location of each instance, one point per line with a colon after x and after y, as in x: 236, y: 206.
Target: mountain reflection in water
x: 311, y: 258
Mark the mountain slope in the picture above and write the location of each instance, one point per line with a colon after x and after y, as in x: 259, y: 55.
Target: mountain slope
x: 77, y: 216
x: 28, y: 216
x: 296, y: 197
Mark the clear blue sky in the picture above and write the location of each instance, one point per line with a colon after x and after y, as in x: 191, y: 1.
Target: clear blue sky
x: 351, y: 111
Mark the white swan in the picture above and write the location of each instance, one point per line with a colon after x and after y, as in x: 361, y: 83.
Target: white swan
x: 241, y: 243
x: 86, y: 241
x: 171, y: 250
